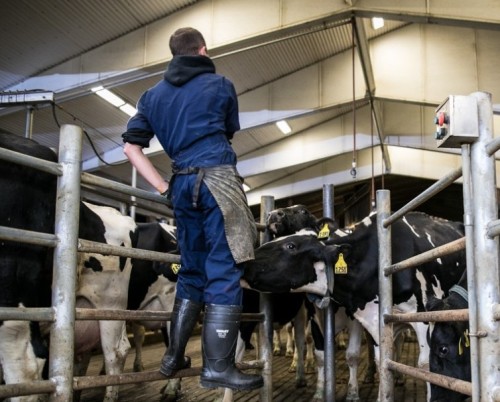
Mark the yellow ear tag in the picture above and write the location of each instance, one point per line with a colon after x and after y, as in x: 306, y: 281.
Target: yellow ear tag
x: 175, y: 268
x: 340, y: 265
x: 324, y: 233
x: 466, y: 337
x: 466, y: 342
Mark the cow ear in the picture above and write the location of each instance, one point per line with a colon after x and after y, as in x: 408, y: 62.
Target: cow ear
x: 333, y: 251
x: 434, y: 303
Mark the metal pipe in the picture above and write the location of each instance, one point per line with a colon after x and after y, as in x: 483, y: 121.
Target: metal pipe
x: 90, y: 314
x: 266, y: 327
x: 467, y: 189
x: 493, y: 146
x: 133, y: 198
x: 329, y: 315
x: 426, y: 256
x: 30, y: 161
x: 493, y: 228
x: 28, y: 130
x: 28, y: 236
x: 123, y: 188
x: 27, y: 313
x: 463, y: 387
x: 386, y: 384
x: 433, y: 316
x: 88, y: 246
x: 486, y: 250
x: 438, y: 186
x: 65, y: 260
x: 27, y: 388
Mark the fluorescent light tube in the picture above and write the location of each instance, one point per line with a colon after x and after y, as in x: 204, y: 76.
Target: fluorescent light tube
x: 284, y: 127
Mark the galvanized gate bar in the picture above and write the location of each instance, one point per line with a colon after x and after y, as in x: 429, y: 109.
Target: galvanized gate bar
x: 88, y: 246
x: 28, y: 236
x: 27, y: 313
x: 27, y: 388
x: 266, y: 328
x: 88, y: 178
x: 486, y: 250
x: 329, y: 314
x: 425, y: 316
x: 445, y: 249
x: 493, y: 228
x: 438, y: 186
x: 470, y: 266
x: 30, y: 161
x: 464, y: 387
x: 386, y: 384
x: 62, y: 333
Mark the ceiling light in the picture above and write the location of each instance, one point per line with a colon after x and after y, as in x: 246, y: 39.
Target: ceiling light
x: 246, y: 188
x: 128, y: 109
x: 284, y: 127
x: 108, y: 96
x: 377, y: 22
x: 115, y: 100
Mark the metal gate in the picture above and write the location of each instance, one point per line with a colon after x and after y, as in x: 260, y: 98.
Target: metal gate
x: 63, y: 313
x: 482, y: 249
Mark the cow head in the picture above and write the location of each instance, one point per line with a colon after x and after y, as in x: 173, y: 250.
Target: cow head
x: 289, y: 220
x: 294, y: 263
x: 449, y: 348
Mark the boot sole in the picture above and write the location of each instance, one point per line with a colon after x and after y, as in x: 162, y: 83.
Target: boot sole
x: 214, y: 384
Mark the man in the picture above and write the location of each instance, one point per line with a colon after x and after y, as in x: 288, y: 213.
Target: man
x: 194, y: 113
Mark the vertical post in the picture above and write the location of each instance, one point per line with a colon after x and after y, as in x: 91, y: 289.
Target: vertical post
x: 65, y: 261
x: 133, y: 199
x: 28, y: 130
x: 486, y: 250
x: 470, y: 266
x: 329, y: 316
x: 266, y: 327
x: 386, y: 384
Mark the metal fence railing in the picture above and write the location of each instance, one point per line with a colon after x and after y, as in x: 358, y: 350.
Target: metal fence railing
x: 62, y: 314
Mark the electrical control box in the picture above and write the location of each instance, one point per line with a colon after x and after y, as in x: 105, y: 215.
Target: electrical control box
x: 16, y: 98
x: 456, y: 121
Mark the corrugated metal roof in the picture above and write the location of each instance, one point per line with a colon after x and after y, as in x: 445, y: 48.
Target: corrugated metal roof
x: 65, y: 29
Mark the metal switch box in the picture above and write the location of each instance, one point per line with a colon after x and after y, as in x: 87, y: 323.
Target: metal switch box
x: 456, y: 121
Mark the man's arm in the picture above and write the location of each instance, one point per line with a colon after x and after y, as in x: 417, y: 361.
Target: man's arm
x: 144, y: 166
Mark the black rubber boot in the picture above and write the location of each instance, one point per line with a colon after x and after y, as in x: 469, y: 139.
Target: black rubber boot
x: 219, y: 338
x: 184, y: 317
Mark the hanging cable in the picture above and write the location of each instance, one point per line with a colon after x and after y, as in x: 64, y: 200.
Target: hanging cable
x: 54, y: 115
x: 353, y: 169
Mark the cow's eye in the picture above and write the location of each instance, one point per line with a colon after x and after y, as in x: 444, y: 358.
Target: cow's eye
x: 443, y: 351
x: 290, y: 246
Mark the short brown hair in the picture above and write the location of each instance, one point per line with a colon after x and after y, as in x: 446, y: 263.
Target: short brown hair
x: 186, y: 41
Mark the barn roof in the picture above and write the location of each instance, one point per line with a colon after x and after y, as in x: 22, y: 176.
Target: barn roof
x: 349, y: 92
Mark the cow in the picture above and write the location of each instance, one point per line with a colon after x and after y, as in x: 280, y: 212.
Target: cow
x: 152, y: 284
x: 356, y: 285
x: 26, y: 271
x: 449, y: 343
x: 289, y: 220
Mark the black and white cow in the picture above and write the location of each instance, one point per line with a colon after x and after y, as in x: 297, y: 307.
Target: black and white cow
x: 26, y: 272
x: 152, y: 284
x: 449, y: 343
x: 289, y: 220
x: 356, y: 288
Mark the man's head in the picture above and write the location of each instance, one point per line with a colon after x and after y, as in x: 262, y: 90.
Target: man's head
x: 187, y: 42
